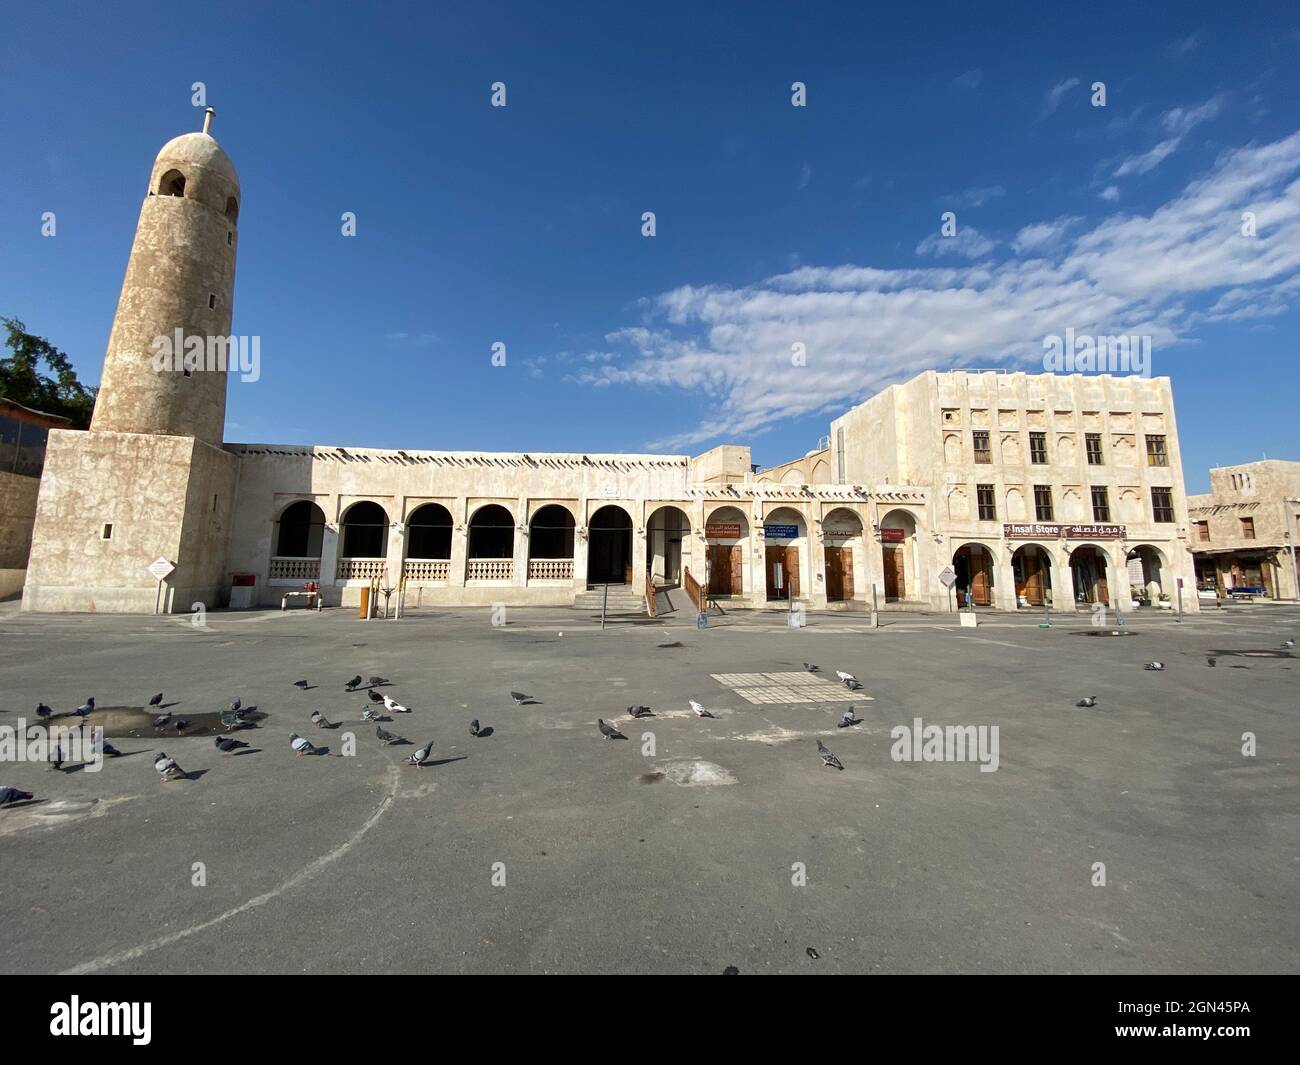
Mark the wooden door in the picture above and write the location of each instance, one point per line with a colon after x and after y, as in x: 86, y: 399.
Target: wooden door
x: 792, y: 571
x: 981, y: 580
x: 834, y: 574
x: 719, y: 569
x: 846, y: 572
x: 1103, y: 595
x: 895, y: 576
x: 1033, y: 580
x: 737, y: 569
x: 772, y: 556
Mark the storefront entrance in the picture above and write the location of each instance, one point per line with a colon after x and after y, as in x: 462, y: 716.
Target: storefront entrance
x: 895, y: 573
x: 839, y: 574
x: 725, y: 569
x: 788, y: 557
x: 973, y: 564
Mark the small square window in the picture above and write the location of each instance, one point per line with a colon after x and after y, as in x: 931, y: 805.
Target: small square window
x: 106, y: 533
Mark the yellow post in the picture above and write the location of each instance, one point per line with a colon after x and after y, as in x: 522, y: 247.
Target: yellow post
x: 363, y: 610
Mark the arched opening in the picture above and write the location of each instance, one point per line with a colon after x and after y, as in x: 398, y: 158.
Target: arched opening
x: 299, y: 533
x: 1146, y: 574
x: 609, y: 553
x: 1088, y: 568
x: 492, y: 533
x: 973, y: 564
x: 841, y: 541
x: 428, y: 532
x: 726, y: 531
x: 1031, y: 568
x: 232, y: 208
x: 550, y: 544
x: 898, y: 554
x: 668, y: 534
x: 365, y: 531
x: 171, y: 183
x: 785, y: 539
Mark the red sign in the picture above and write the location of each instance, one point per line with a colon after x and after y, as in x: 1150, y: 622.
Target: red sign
x: 722, y: 530
x: 892, y: 536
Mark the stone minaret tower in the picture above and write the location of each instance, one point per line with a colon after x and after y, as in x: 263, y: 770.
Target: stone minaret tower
x: 181, y: 275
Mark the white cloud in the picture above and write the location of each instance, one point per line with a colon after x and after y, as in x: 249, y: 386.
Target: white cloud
x: 967, y: 241
x: 1110, y: 193
x: 1148, y: 160
x: 1053, y: 98
x: 805, y: 176
x: 975, y: 196
x: 1042, y: 236
x: 1177, y: 122
x: 865, y: 327
x: 969, y: 81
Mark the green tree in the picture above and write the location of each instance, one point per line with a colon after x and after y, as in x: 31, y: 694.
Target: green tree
x: 55, y: 392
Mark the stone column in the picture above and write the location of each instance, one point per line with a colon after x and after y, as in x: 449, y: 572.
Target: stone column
x: 520, y: 576
x: 396, y: 554
x: 1062, y: 579
x: 459, y: 543
x: 1004, y: 577
x: 640, y: 544
x: 581, y: 540
x: 329, y: 552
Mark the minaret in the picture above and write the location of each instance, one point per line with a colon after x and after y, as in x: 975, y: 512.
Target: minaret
x: 180, y: 276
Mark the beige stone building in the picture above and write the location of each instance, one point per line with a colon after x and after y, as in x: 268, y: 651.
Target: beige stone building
x: 23, y: 437
x: 1244, y: 530
x: 1032, y: 488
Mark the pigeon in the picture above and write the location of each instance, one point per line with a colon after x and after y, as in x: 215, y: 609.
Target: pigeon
x: 375, y: 697
x: 228, y: 744
x: 699, y: 710
x: 609, y: 731
x: 234, y: 721
x: 418, y: 758
x: 520, y: 698
x: 1088, y: 701
x: 1211, y: 662
x: 156, y: 700
x: 354, y: 683
x: 640, y: 711
x: 85, y: 708
x: 370, y: 715
x: 384, y: 736
x: 850, y: 681
x: 394, y: 706
x: 1287, y: 644
x: 320, y: 720
x: 828, y: 759
x: 42, y: 710
x: 181, y: 725
x: 162, y: 720
x: 11, y: 795
x: 236, y: 706
x: 812, y: 668
x: 301, y: 684
x: 167, y: 767
x: 300, y: 745
x: 473, y: 727
x: 108, y: 749
x: 1154, y: 667
x: 56, y: 757
x: 849, y: 719
x: 378, y: 680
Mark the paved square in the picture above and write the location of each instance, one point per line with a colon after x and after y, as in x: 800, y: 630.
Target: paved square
x: 788, y: 688
x: 543, y: 847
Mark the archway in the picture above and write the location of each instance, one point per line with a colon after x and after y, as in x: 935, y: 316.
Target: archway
x: 550, y: 544
x: 667, y: 533
x: 726, y: 531
x: 609, y: 552
x: 898, y: 553
x: 1088, y: 569
x: 974, y: 566
x: 299, y: 534
x: 1146, y: 573
x: 1031, y: 568
x: 785, y: 538
x: 491, y: 533
x: 428, y: 532
x: 171, y: 183
x: 365, y: 531
x: 841, y: 540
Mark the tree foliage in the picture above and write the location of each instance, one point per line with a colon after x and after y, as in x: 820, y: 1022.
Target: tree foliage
x: 54, y: 391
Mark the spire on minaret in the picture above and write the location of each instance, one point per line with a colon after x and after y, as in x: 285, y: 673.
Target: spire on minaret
x: 208, y: 115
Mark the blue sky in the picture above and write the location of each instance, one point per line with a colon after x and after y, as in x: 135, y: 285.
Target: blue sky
x: 775, y: 224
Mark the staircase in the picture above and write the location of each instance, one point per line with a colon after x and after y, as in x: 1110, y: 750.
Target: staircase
x: 623, y: 599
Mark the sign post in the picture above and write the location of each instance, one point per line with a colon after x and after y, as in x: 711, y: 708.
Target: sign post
x: 161, y: 569
x: 1180, y: 600
x: 948, y: 577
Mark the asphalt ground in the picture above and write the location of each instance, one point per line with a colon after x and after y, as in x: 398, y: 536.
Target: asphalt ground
x: 693, y: 845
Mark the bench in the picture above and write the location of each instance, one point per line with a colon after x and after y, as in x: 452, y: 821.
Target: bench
x: 310, y: 592
x: 1247, y: 591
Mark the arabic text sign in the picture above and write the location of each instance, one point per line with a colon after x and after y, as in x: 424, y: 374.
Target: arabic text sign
x: 722, y: 530
x: 780, y: 532
x: 1056, y: 531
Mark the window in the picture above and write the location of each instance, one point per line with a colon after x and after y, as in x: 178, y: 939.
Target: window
x: 1162, y: 503
x: 107, y: 532
x: 1156, y: 453
x: 212, y: 300
x: 1093, y: 443
x: 980, y: 440
x: 232, y: 208
x: 987, y: 507
x: 230, y: 238
x: 1202, y: 531
x: 1247, y: 528
x: 172, y: 183
x: 1043, y: 502
x: 1100, y: 504
x: 1038, y: 449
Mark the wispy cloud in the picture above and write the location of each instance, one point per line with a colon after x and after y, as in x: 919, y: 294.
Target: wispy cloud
x: 805, y: 176
x: 1043, y: 236
x: 974, y: 196
x: 968, y: 82
x: 1053, y: 98
x: 967, y: 241
x: 1184, y: 46
x: 1162, y: 274
x: 1177, y: 123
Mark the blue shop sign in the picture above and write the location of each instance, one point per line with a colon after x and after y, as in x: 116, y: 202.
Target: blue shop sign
x: 781, y: 532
